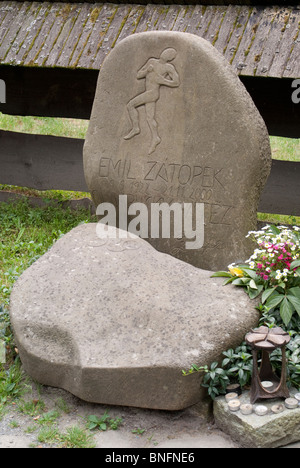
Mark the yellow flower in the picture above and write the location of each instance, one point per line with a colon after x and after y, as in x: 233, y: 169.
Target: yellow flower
x: 236, y: 271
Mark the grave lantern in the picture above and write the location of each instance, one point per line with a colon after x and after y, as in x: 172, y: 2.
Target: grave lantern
x: 265, y: 383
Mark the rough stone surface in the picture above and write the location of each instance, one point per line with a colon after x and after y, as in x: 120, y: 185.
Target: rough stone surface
x: 171, y: 122
x: 253, y: 431
x: 114, y: 321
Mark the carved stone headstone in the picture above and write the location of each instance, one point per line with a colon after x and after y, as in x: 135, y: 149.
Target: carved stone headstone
x: 172, y: 123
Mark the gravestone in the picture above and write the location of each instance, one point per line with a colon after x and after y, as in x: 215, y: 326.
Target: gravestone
x: 172, y: 123
x: 115, y: 320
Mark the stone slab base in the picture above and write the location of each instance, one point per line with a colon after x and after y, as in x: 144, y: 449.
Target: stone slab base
x: 253, y: 431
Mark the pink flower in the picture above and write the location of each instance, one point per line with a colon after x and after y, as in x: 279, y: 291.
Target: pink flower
x: 265, y: 277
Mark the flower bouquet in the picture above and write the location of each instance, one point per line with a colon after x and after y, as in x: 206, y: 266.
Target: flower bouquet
x: 272, y: 271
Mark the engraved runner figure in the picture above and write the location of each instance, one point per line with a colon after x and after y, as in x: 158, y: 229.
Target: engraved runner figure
x: 157, y: 72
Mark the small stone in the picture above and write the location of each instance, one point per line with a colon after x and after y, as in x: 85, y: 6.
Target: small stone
x: 261, y: 410
x: 291, y: 403
x: 267, y: 384
x: 234, y: 405
x: 231, y: 396
x: 246, y: 408
x: 277, y: 408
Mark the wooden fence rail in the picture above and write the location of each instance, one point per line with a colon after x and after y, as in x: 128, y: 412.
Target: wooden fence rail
x: 55, y: 163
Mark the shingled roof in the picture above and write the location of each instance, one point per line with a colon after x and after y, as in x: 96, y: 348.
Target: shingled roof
x: 256, y: 40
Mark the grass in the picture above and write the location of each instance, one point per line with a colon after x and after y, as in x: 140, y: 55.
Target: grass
x: 27, y: 233
x: 285, y: 149
x: 73, y: 128
x: 73, y: 437
x: 46, y: 195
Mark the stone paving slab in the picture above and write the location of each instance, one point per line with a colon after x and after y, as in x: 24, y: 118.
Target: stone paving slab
x: 253, y: 431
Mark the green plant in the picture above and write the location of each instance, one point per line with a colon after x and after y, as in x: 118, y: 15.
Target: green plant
x: 76, y: 437
x: 62, y: 405
x: 30, y: 429
x: 272, y: 271
x: 138, y: 431
x: 48, y: 418
x: 73, y: 437
x: 235, y: 367
x: 31, y: 407
x: 14, y: 424
x: 49, y: 435
x: 12, y: 382
x: 103, y: 423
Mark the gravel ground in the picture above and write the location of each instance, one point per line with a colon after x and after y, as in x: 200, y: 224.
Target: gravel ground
x: 140, y: 428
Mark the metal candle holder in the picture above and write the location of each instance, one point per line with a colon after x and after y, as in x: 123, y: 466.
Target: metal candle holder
x: 266, y: 340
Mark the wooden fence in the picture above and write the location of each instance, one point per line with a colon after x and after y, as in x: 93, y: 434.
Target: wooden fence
x: 47, y: 162
x: 51, y: 71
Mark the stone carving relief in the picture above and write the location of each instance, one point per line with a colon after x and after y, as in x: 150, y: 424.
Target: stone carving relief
x: 157, y: 72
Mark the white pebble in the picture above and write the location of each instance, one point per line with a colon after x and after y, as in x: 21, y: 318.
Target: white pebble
x: 261, y: 410
x: 234, y: 405
x: 291, y: 403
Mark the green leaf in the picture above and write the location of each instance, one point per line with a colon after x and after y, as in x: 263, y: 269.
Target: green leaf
x: 238, y: 282
x: 93, y: 418
x: 295, y: 264
x: 274, y: 229
x: 295, y: 302
x: 286, y: 311
x: 230, y: 280
x: 221, y: 273
x: 295, y: 292
x: 195, y: 367
x: 252, y: 284
x: 92, y: 426
x: 267, y: 293
x: 251, y: 273
x: 253, y: 293
x: 274, y: 300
